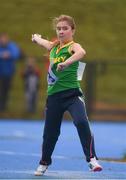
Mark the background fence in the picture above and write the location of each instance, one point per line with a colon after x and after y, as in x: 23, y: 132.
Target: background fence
x: 105, y: 89
x: 103, y: 85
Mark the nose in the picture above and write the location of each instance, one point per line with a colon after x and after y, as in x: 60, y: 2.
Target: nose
x: 61, y: 31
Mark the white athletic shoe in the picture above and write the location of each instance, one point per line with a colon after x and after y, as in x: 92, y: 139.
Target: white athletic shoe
x: 40, y: 170
x: 94, y: 165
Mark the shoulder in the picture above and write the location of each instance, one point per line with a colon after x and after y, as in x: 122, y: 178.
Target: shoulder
x: 54, y: 44
x: 77, y: 47
x: 13, y: 46
x: 11, y: 43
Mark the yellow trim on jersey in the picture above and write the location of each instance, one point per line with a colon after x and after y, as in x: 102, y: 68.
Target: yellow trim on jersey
x: 69, y: 50
x: 67, y: 44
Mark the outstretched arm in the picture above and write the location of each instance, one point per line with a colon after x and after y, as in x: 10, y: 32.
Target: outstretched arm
x: 78, y: 53
x: 42, y: 42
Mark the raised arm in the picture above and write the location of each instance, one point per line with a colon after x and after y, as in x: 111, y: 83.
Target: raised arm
x: 78, y: 54
x: 42, y: 42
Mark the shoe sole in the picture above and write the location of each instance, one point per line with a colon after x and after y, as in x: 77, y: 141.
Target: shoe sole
x: 38, y: 173
x: 97, y: 169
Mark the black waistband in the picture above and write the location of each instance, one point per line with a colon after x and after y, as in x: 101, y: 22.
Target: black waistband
x: 67, y: 93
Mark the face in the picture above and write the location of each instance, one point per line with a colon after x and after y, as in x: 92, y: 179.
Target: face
x: 64, y: 31
x: 4, y: 39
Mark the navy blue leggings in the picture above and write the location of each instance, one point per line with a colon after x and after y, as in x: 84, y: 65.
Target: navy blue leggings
x: 71, y: 101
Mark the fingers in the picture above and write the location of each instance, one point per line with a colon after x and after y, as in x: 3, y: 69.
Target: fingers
x: 32, y: 38
x: 35, y: 37
x: 60, y: 67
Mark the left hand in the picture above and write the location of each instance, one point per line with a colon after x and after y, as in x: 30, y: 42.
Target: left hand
x: 61, y: 66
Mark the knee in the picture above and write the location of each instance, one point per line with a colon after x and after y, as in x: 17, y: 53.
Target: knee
x: 80, y: 123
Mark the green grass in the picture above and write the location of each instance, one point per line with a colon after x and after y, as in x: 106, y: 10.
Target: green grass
x: 100, y: 24
x: 111, y: 86
x: 100, y: 30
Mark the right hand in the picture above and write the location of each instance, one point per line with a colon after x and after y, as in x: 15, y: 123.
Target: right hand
x: 36, y: 37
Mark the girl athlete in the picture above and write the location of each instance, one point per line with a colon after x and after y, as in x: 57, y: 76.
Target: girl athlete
x: 64, y: 93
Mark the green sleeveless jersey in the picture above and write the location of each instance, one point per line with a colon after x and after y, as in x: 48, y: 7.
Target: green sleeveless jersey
x: 61, y: 80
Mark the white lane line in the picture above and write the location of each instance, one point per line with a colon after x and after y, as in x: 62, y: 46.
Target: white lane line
x: 64, y: 175
x: 17, y: 171
x: 11, y: 153
x: 18, y: 153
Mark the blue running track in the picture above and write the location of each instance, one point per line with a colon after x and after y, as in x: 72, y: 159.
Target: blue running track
x: 20, y: 150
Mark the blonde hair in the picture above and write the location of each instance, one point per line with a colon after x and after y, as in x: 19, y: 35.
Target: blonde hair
x: 66, y: 18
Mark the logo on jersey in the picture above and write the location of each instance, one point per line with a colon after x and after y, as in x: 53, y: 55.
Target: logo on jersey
x: 58, y: 59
